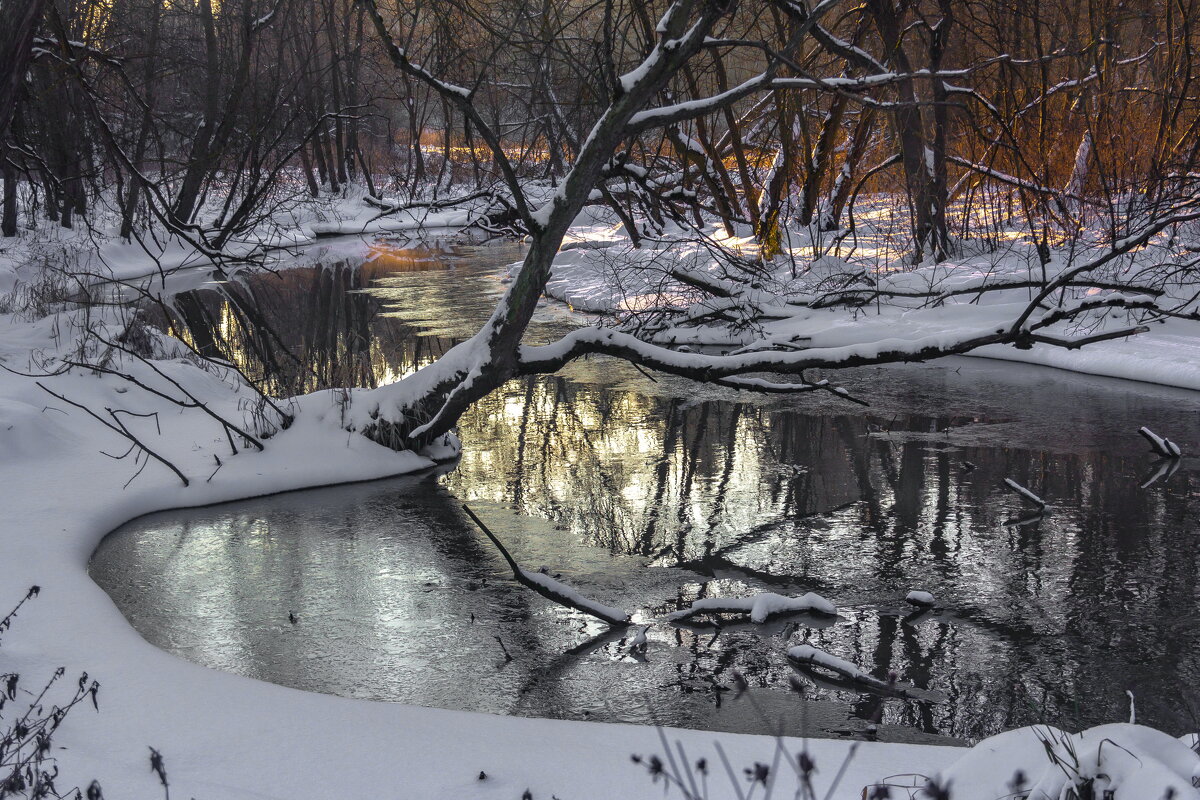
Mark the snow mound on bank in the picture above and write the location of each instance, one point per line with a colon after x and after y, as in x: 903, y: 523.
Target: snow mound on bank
x: 30, y: 432
x: 1121, y: 761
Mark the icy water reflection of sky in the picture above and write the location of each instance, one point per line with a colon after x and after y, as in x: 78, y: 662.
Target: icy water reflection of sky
x: 648, y: 495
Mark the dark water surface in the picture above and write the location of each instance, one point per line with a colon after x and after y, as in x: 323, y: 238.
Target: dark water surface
x: 648, y: 495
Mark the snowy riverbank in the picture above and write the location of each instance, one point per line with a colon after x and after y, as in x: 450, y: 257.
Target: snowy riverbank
x: 227, y: 736
x: 599, y: 271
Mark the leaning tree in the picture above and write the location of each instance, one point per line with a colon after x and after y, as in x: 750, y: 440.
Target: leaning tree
x: 758, y: 114
x: 783, y: 49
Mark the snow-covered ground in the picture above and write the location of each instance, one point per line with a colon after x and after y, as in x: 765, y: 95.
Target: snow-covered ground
x: 98, y: 254
x: 226, y: 736
x: 599, y: 271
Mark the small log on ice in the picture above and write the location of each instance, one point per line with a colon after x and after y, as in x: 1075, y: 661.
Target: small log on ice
x: 550, y: 588
x: 1021, y: 490
x: 759, y: 607
x: 1161, y: 445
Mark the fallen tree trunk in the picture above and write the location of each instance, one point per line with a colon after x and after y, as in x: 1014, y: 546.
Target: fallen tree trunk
x: 807, y: 658
x: 550, y: 588
x: 760, y: 607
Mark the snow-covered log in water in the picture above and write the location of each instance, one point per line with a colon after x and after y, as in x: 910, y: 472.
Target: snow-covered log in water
x: 759, y: 607
x: 1025, y: 493
x: 807, y: 657
x: 1161, y: 445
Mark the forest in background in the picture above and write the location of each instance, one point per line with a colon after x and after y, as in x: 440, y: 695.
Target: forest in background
x: 1004, y: 177
x: 206, y: 118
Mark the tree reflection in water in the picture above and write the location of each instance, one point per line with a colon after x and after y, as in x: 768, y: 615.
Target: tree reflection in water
x: 297, y: 331
x: 1048, y: 621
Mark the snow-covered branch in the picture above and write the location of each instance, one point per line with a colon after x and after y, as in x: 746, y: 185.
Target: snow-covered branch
x: 709, y: 367
x: 759, y: 608
x: 807, y: 657
x: 1160, y: 444
x: 549, y: 587
x: 1024, y: 492
x: 1186, y: 212
x: 461, y: 98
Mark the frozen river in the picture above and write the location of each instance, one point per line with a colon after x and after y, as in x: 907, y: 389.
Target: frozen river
x: 647, y: 495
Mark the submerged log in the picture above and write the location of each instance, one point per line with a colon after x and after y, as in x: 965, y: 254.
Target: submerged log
x: 818, y: 665
x: 550, y: 588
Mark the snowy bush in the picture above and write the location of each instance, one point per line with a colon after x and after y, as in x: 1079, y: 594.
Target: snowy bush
x: 27, y: 768
x: 50, y: 290
x: 1119, y: 761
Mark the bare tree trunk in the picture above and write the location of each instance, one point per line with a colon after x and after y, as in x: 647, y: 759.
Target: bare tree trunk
x: 306, y: 164
x: 150, y: 81
x: 822, y: 157
x: 319, y: 154
x: 939, y: 184
x: 734, y: 134
x: 327, y: 155
x: 21, y: 18
x: 447, y: 144
x: 8, y: 218
x: 1079, y: 171
x: 916, y: 155
x: 338, y: 152
x: 414, y: 134
x: 51, y: 193
x: 843, y: 184
x: 770, y: 236
x: 352, y: 96
x: 198, y: 158
x: 215, y: 136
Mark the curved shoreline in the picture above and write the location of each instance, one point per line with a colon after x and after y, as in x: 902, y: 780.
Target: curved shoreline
x: 227, y: 736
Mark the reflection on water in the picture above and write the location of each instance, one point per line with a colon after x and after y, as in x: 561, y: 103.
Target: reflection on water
x: 1045, y: 621
x: 648, y: 495
x: 296, y: 331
